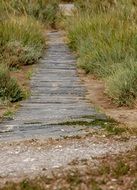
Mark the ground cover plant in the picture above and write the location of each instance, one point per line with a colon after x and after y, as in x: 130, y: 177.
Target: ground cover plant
x: 104, y: 35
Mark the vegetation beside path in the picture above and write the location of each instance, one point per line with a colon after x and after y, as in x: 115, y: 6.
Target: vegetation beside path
x: 110, y: 55
x: 104, y: 35
x: 22, y: 41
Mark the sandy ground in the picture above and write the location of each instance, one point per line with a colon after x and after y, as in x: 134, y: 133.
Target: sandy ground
x: 96, y: 95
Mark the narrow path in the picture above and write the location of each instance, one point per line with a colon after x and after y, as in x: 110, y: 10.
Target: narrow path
x: 57, y: 96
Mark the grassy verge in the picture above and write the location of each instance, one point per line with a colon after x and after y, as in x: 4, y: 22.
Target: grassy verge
x: 104, y: 36
x: 22, y: 40
x: 9, y: 88
x: 43, y: 10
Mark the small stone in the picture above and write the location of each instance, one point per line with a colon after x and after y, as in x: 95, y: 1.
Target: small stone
x: 111, y: 187
x: 103, y: 136
x: 114, y: 180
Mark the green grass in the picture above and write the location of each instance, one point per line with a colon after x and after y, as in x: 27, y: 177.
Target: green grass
x: 104, y: 35
x: 8, y: 114
x: 22, y: 41
x: 22, y: 36
x: 121, y: 86
x: 43, y: 10
x: 9, y: 88
x: 109, y: 125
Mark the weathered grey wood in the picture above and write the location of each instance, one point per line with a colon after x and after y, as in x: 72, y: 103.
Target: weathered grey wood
x: 57, y: 95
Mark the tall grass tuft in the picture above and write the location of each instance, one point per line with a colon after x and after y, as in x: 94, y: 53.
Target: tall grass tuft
x: 121, y: 85
x: 21, y: 40
x: 43, y: 10
x: 104, y: 34
x: 9, y: 88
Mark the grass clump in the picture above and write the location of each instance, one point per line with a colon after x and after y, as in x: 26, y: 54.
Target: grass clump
x: 43, y: 10
x: 104, y: 35
x: 9, y: 88
x: 22, y: 41
x: 121, y: 86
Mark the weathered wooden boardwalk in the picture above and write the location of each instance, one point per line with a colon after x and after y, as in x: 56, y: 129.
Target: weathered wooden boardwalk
x: 57, y: 96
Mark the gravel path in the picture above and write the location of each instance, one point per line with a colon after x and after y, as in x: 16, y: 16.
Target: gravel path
x: 32, y: 158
